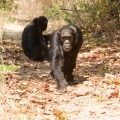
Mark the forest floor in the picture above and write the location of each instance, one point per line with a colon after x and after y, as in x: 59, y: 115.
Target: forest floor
x: 30, y: 94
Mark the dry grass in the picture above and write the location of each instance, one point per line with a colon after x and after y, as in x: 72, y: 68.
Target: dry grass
x: 33, y: 8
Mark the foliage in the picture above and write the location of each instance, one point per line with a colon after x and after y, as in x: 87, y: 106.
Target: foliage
x: 5, y: 68
x: 9, y: 67
x: 8, y: 5
x: 54, y: 11
x: 96, y: 16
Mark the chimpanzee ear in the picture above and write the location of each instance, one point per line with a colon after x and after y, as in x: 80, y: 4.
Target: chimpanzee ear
x: 76, y: 36
x: 35, y: 21
x: 58, y: 32
x: 58, y: 35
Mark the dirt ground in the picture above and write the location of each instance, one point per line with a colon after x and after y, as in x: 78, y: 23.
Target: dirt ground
x: 30, y: 94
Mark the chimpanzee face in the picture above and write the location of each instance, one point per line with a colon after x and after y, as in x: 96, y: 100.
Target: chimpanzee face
x: 44, y: 25
x: 67, y: 38
x: 41, y: 22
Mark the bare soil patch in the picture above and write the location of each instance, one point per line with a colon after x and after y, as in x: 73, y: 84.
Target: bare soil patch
x: 30, y: 94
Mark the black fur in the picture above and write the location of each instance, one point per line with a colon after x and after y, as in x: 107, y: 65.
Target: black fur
x: 34, y: 43
x: 62, y: 62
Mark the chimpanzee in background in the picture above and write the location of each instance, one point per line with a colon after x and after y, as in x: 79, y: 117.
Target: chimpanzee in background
x: 65, y: 44
x: 34, y: 43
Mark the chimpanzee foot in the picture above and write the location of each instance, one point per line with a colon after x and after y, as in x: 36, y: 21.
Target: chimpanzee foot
x: 72, y: 82
x: 46, y: 58
x: 62, y: 90
x: 62, y: 86
x: 51, y: 75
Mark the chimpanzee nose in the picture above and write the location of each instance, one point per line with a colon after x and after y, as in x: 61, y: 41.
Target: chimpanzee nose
x: 66, y: 42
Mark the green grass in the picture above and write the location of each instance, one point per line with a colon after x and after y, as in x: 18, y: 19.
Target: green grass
x: 6, y: 67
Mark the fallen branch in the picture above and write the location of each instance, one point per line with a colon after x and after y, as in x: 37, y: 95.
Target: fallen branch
x: 72, y: 10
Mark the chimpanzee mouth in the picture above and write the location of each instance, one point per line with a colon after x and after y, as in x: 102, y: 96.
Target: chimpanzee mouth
x: 67, y: 49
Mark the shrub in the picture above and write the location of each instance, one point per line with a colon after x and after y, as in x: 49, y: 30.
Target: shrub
x: 100, y: 17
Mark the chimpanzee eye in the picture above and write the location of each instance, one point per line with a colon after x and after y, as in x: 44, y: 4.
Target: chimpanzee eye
x: 69, y: 37
x: 66, y: 37
x: 63, y: 37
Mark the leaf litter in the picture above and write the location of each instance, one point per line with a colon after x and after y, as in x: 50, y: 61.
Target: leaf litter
x: 30, y: 94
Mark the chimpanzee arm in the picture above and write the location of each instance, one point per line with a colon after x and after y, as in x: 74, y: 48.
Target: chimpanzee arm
x: 57, y: 62
x: 46, y: 37
x: 32, y: 37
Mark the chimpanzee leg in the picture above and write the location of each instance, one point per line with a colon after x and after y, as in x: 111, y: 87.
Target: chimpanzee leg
x: 46, y: 37
x: 69, y: 77
x: 52, y: 74
x: 38, y: 53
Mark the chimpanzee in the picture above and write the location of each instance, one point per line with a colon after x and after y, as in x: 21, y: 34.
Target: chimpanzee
x: 34, y: 43
x: 65, y: 44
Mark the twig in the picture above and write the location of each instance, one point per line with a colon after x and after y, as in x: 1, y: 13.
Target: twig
x: 72, y: 10
x: 78, y: 14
